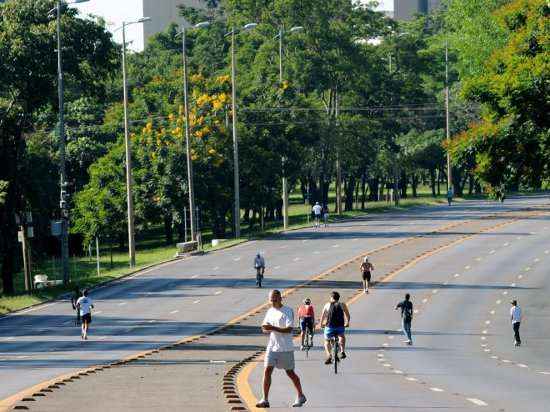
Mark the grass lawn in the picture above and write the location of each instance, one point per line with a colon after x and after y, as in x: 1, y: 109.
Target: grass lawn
x: 152, y: 250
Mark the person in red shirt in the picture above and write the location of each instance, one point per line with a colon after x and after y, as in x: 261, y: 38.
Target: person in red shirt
x: 306, y: 315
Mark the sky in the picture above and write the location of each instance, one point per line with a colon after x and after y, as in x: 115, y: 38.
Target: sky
x: 117, y: 11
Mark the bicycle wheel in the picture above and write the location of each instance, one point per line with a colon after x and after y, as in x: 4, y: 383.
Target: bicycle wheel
x: 335, y: 355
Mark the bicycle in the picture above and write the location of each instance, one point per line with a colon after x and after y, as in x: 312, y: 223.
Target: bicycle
x: 308, y: 341
x: 259, y: 276
x: 334, y: 351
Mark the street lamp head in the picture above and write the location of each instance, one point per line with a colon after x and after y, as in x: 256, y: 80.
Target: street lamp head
x: 295, y: 29
x: 144, y: 19
x: 202, y: 24
x: 249, y: 26
x: 78, y: 1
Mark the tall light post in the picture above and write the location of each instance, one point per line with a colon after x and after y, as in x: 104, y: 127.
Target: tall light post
x: 191, y: 191
x: 447, y: 119
x: 128, y: 146
x: 63, y: 184
x: 237, y: 206
x: 285, y: 179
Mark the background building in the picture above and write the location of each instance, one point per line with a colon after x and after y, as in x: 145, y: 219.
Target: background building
x: 406, y: 9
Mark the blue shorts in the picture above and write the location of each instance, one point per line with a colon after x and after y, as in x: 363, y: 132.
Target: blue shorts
x: 333, y: 332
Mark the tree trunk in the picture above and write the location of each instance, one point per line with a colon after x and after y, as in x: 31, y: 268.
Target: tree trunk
x: 168, y: 233
x: 363, y: 190
x: 403, y: 185
x: 349, y: 187
x: 432, y: 181
x: 374, y: 187
x: 414, y: 184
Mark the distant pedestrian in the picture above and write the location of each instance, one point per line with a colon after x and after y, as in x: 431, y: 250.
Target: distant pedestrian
x: 317, y: 210
x: 259, y: 265
x: 278, y: 322
x: 450, y: 194
x: 85, y: 306
x: 366, y: 273
x: 74, y: 298
x: 515, y: 318
x: 325, y: 214
x: 406, y: 307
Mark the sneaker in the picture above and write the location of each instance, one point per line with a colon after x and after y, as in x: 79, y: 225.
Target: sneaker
x: 328, y: 361
x: 302, y: 347
x: 343, y: 355
x: 410, y: 343
x: 300, y: 400
x: 262, y: 404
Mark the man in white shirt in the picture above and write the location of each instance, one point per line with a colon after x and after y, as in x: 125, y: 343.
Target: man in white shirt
x: 515, y: 318
x: 278, y: 322
x: 85, y: 305
x: 317, y: 210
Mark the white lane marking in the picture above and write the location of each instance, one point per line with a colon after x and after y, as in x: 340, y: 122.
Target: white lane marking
x: 513, y: 285
x: 197, y: 301
x: 237, y: 259
x: 446, y: 283
x: 520, y: 276
x: 487, y: 350
x: 398, y: 372
x: 22, y: 357
x: 532, y: 233
x: 492, y: 251
x: 483, y: 338
x: 477, y: 402
x: 387, y: 365
x: 304, y: 240
x: 216, y: 268
x: 12, y: 338
x: 219, y: 292
x: 102, y: 338
x: 544, y: 373
x: 434, y: 291
x: 122, y: 304
x: 355, y: 239
x: 411, y: 379
x: 522, y: 365
x: 437, y: 390
x: 492, y: 312
x: 484, y: 332
x: 505, y: 292
x: 217, y: 361
x: 335, y: 245
x: 506, y: 361
x: 277, y: 267
x: 151, y: 321
x: 498, y: 302
x: 483, y: 345
x: 174, y: 311
x: 506, y: 244
x: 380, y: 355
x: 283, y: 247
x: 296, y: 259
x: 479, y: 259
x: 316, y: 252
x: 385, y: 344
x: 391, y: 337
x: 536, y: 260
x: 518, y: 238
x: 494, y: 357
x: 194, y: 276
x: 424, y: 300
x: 487, y: 322
x: 546, y: 252
x: 527, y: 269
x: 467, y: 267
x: 457, y: 275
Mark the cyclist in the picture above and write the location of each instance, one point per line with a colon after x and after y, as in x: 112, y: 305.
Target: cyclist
x: 317, y: 210
x: 406, y: 307
x: 335, y: 319
x: 366, y: 269
x: 259, y: 265
x: 306, y: 315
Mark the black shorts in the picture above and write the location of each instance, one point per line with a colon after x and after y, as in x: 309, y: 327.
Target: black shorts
x: 307, y: 323
x: 366, y: 276
x: 87, y: 318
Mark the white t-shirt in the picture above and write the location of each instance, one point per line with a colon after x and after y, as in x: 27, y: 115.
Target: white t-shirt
x: 317, y: 209
x: 85, y: 304
x: 281, y: 318
x: 515, y: 313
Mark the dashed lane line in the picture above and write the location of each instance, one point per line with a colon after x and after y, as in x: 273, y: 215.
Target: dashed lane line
x: 434, y: 389
x: 194, y: 276
x: 219, y: 292
x: 522, y: 365
x: 237, y: 259
x: 122, y: 304
x: 197, y: 301
x: 174, y: 312
x: 477, y: 402
x: 277, y: 267
x: 296, y: 259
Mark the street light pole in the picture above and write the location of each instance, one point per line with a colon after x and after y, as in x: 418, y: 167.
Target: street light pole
x: 447, y: 120
x: 62, y: 156
x: 128, y: 152
x: 187, y: 140
x: 237, y: 207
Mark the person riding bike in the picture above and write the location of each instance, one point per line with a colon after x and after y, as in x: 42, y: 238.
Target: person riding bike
x: 335, y: 319
x: 306, y: 316
x: 259, y: 265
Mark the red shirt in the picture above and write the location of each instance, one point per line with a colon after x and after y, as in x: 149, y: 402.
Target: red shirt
x: 306, y: 311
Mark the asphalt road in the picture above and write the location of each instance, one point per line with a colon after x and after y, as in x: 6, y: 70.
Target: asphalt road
x: 463, y: 356
x: 191, y: 296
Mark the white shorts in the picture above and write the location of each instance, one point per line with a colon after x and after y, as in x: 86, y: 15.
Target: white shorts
x: 280, y: 360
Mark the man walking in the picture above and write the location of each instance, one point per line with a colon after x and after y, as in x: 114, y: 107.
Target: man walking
x: 278, y: 322
x: 406, y: 307
x: 317, y: 210
x: 515, y: 318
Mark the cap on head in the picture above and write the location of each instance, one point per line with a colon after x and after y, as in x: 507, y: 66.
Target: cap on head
x: 307, y: 301
x: 335, y: 295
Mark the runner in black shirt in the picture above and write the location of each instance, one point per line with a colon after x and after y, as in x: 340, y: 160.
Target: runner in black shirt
x: 406, y: 317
